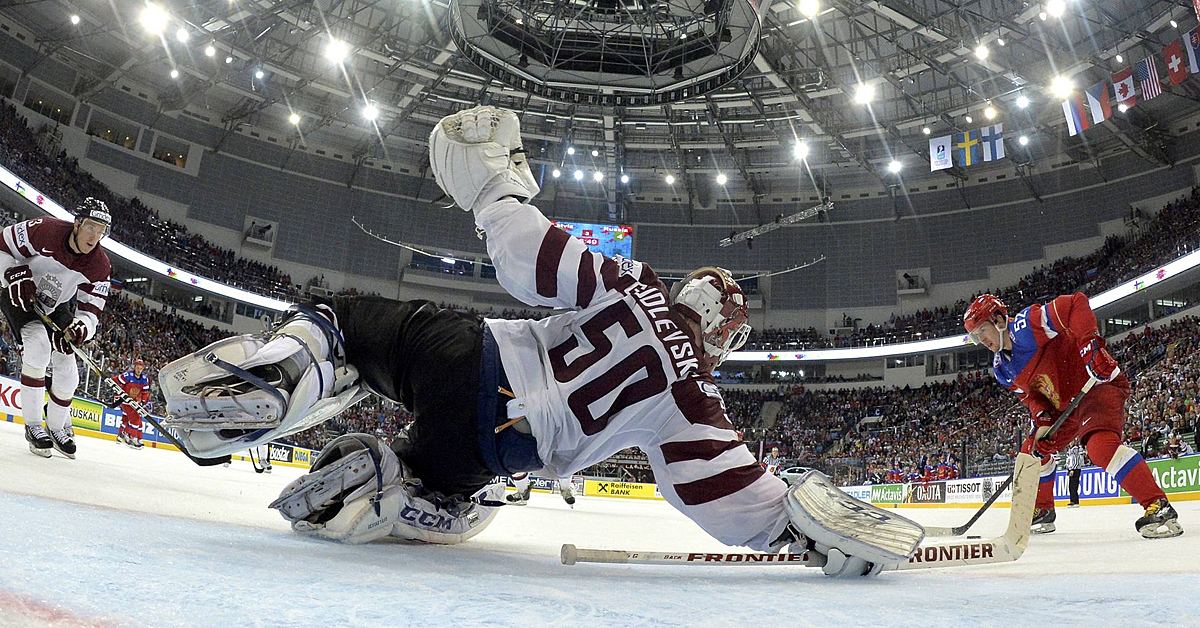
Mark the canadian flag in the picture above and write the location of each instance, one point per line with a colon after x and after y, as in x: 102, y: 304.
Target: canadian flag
x: 1177, y: 66
x: 1123, y: 88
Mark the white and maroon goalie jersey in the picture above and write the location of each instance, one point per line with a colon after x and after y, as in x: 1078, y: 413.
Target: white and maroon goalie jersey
x: 619, y: 371
x: 60, y: 274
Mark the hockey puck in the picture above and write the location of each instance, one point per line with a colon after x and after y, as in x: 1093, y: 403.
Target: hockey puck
x: 974, y: 537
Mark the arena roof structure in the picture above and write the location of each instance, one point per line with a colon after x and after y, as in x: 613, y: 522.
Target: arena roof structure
x: 746, y: 91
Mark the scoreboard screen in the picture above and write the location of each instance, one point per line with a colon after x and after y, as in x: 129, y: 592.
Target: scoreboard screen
x: 607, y: 240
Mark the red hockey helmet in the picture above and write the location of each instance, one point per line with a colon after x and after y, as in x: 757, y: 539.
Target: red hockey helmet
x: 983, y: 309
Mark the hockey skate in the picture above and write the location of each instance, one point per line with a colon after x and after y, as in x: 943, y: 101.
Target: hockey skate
x: 64, y: 441
x: 1043, y: 521
x: 520, y: 498
x: 564, y: 489
x: 124, y: 437
x: 1160, y: 521
x: 39, y: 441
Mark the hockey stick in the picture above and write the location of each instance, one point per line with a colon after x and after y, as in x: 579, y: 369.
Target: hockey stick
x: 571, y: 555
x: 1005, y: 548
x: 125, y: 398
x: 1062, y: 418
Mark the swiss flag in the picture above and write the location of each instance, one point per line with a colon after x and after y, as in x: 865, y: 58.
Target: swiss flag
x: 1124, y: 91
x: 1177, y: 66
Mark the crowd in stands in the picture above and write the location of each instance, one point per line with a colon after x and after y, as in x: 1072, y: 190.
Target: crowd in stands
x: 60, y: 177
x: 1172, y: 233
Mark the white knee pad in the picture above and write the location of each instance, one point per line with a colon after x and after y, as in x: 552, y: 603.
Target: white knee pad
x: 520, y: 481
x: 35, y: 348
x: 66, y: 376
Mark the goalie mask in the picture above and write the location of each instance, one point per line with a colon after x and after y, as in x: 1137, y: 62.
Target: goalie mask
x: 711, y: 298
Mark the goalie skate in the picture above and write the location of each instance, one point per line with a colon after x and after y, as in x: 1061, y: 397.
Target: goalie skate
x: 317, y: 492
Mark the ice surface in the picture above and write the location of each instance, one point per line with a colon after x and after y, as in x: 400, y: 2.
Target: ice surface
x: 123, y: 537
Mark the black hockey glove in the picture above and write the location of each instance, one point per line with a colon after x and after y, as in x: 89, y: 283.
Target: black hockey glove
x: 22, y: 292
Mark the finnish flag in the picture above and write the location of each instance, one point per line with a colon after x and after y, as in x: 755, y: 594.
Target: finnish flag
x: 992, y: 138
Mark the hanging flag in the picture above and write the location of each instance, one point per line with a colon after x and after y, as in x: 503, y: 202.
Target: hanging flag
x: 939, y: 153
x: 1077, y: 119
x: 992, y: 138
x: 1173, y: 56
x: 1096, y: 99
x: 967, y: 149
x: 1123, y: 89
x: 1191, y: 45
x: 1145, y: 72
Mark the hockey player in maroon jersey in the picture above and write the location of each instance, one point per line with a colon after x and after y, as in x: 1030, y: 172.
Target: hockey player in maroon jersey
x: 136, y: 384
x: 626, y: 363
x: 1045, y: 354
x: 46, y: 264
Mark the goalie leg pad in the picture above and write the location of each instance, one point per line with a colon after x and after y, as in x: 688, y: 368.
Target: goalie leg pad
x: 249, y: 389
x: 359, y: 492
x: 856, y: 537
x: 476, y: 157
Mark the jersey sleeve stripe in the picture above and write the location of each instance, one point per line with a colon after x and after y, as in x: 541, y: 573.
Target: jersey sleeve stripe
x: 696, y: 450
x: 717, y: 486
x: 585, y: 289
x: 92, y: 309
x: 548, y: 258
x: 1048, y: 323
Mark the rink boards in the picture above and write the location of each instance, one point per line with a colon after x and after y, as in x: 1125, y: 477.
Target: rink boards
x: 1179, y: 478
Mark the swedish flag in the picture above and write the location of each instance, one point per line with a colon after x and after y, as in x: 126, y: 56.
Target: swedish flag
x: 967, y: 149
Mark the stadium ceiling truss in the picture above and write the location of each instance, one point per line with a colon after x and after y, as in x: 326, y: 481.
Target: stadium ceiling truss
x: 686, y: 87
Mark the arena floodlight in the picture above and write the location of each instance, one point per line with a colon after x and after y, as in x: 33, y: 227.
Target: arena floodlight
x: 670, y: 179
x: 1120, y: 59
x: 294, y: 118
x: 864, y: 93
x: 895, y: 167
x: 259, y: 74
x: 982, y: 52
x: 801, y: 150
x: 1000, y: 41
x: 1022, y: 101
x: 722, y: 179
x: 336, y: 51
x: 926, y: 130
x: 1023, y: 140
x: 990, y: 112
x: 595, y: 153
x: 1174, y: 24
x: 370, y: 112
x: 181, y: 35
x: 1056, y: 8
x: 968, y: 119
x: 578, y: 175
x: 75, y: 20
x: 556, y: 173
x: 210, y: 50
x: 174, y: 73
x: 570, y: 150
x: 228, y: 60
x: 154, y: 19
x: 1122, y: 107
x: 624, y: 178
x: 809, y: 8
x: 1061, y: 87
x: 597, y: 176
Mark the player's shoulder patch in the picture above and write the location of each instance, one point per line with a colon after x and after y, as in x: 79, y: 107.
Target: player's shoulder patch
x: 700, y: 401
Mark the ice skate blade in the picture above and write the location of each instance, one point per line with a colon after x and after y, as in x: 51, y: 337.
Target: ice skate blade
x: 45, y: 453
x: 1156, y: 531
x: 1045, y: 528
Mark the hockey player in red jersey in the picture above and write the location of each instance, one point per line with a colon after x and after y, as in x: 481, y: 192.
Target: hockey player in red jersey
x: 136, y: 384
x: 1045, y: 354
x: 47, y: 264
x: 625, y: 362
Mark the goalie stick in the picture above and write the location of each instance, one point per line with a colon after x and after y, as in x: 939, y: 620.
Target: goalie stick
x: 1062, y: 418
x: 1005, y: 548
x: 125, y: 398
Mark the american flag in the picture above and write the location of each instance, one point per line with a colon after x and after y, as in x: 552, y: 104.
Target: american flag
x: 1145, y: 72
